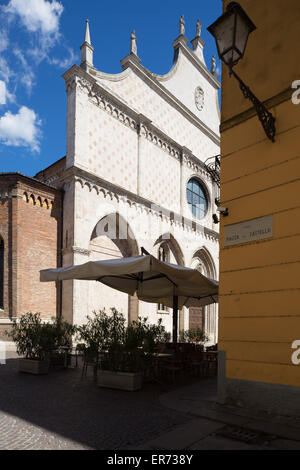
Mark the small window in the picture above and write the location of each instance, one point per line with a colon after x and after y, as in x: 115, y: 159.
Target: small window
x: 196, y: 318
x: 197, y: 199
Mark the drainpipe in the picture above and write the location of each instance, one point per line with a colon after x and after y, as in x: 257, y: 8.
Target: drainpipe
x: 61, y: 251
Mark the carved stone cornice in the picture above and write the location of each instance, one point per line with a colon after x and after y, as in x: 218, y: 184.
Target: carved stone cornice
x: 151, y: 133
x: 114, y: 106
x: 76, y: 249
x: 112, y: 192
x: 192, y: 162
x: 77, y: 77
x: 154, y: 83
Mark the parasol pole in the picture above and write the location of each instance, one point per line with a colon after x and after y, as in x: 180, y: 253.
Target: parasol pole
x: 175, y: 318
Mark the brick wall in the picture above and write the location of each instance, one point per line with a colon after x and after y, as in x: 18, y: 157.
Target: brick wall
x: 31, y: 228
x: 4, y: 234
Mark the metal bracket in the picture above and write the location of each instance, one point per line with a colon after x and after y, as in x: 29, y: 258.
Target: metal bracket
x: 212, y: 165
x: 266, y: 118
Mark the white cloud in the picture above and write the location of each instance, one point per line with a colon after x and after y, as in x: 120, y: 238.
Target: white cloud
x: 37, y: 15
x: 21, y: 129
x: 5, y: 71
x: 5, y: 96
x: 40, y: 18
x: 27, y: 76
x: 67, y: 62
x: 3, y: 40
x: 2, y: 92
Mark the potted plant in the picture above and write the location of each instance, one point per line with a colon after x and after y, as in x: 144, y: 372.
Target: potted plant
x: 34, y: 340
x: 130, y: 353
x: 63, y: 334
x: 193, y: 335
x: 126, y: 350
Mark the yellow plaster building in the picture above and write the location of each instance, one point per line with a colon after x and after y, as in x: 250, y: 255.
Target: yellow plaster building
x: 260, y: 279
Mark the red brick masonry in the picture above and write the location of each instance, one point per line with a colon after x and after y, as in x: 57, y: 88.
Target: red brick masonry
x: 30, y: 226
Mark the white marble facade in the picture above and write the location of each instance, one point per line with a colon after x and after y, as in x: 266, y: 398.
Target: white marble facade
x: 134, y: 141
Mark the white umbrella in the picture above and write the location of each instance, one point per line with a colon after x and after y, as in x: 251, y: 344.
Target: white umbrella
x: 150, y: 279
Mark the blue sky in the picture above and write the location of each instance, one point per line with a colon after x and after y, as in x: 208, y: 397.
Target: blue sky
x: 40, y: 40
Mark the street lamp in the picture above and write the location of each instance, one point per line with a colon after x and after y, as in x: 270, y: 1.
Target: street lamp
x: 231, y: 32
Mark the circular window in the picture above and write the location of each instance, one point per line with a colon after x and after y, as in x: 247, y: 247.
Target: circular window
x: 196, y: 198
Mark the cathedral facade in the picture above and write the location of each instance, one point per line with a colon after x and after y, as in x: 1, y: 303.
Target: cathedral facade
x: 134, y: 176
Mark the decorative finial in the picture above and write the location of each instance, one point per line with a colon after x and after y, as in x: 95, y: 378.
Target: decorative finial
x: 87, y: 49
x: 87, y: 36
x: 133, y: 46
x: 198, y: 29
x: 213, y: 65
x: 181, y: 25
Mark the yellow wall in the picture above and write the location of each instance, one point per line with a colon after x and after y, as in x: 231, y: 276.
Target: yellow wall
x: 260, y: 281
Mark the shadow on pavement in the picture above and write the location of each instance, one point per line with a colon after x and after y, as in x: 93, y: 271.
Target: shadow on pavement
x: 62, y: 406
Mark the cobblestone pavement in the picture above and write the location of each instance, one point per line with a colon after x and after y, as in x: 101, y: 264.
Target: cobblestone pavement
x: 61, y: 411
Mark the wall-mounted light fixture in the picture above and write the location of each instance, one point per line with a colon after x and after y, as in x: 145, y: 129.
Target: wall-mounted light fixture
x: 231, y: 32
x: 215, y: 219
x: 223, y: 211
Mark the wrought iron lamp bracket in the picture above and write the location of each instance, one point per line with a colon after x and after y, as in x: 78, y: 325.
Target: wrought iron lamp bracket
x: 212, y: 165
x: 266, y: 118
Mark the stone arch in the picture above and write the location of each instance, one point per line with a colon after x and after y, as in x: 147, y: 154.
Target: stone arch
x: 208, y: 314
x: 202, y: 255
x: 173, y: 245
x: 116, y: 227
x: 166, y: 246
x: 112, y: 237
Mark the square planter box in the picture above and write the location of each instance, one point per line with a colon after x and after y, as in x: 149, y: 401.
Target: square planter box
x: 120, y: 380
x: 34, y: 367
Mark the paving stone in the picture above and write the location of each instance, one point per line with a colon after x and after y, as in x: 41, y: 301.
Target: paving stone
x: 61, y: 411
x: 224, y: 417
x: 284, y: 444
x: 184, y: 436
x: 272, y: 427
x: 221, y: 443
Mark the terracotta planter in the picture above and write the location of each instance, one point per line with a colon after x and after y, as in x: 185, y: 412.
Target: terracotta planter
x: 32, y: 366
x: 120, y: 380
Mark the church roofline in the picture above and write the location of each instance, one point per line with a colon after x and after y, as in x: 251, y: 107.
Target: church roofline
x: 176, y: 103
x: 182, y: 45
x: 147, y: 76
x: 52, y: 164
x: 19, y: 175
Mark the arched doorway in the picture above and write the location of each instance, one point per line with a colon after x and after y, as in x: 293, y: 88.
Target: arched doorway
x: 204, y: 318
x: 167, y: 249
x: 111, y: 238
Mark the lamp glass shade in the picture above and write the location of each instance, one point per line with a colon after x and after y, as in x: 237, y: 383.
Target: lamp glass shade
x: 231, y: 32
